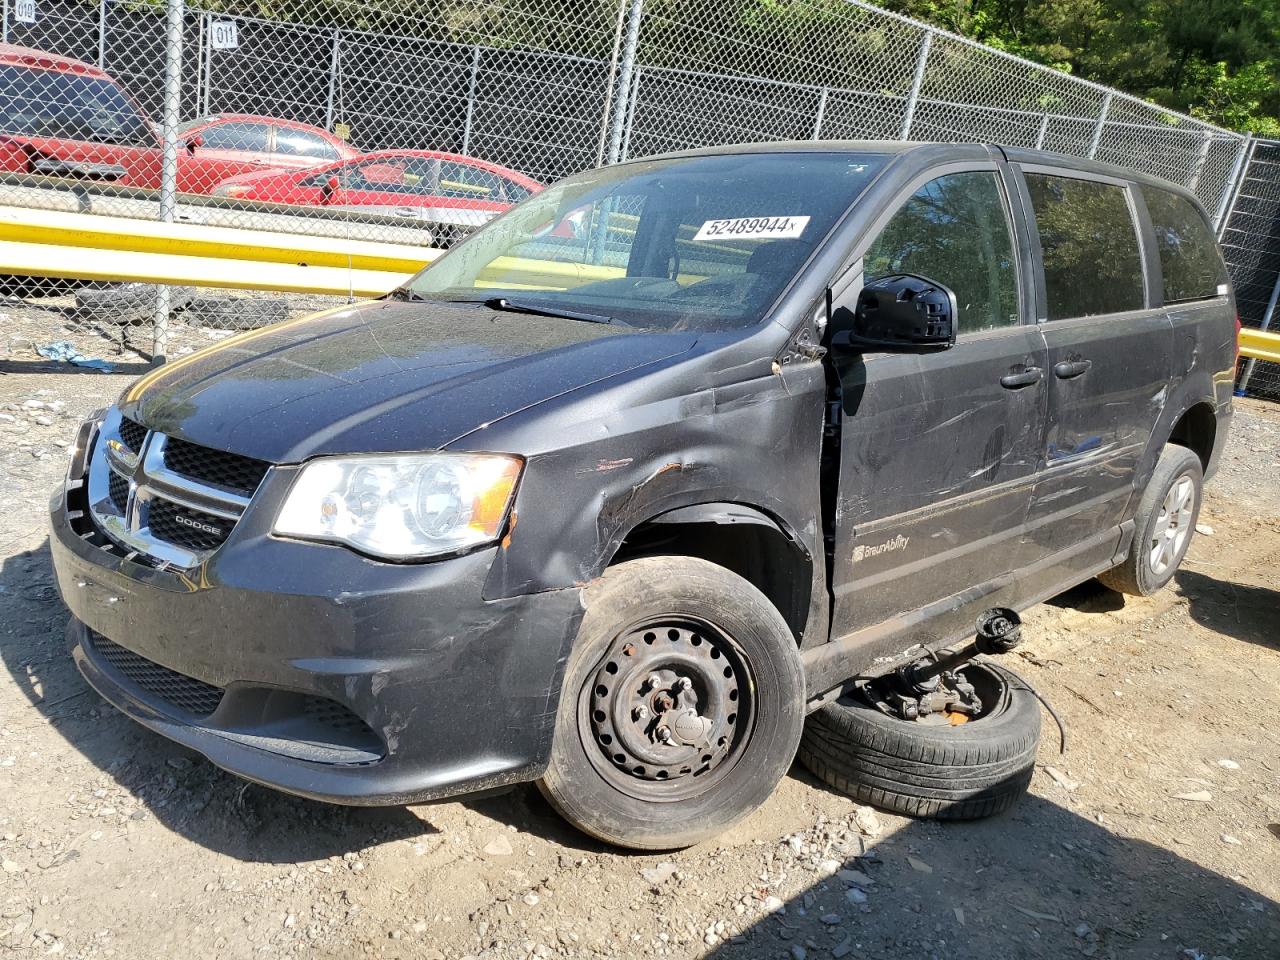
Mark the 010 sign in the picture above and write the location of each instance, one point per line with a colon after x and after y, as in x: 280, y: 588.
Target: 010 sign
x: 24, y: 11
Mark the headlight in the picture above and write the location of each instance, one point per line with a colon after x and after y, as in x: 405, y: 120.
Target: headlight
x: 402, y: 507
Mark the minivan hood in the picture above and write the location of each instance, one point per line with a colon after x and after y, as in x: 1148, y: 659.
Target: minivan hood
x: 381, y: 377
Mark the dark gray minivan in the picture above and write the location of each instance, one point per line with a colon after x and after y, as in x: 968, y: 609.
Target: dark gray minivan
x: 678, y: 467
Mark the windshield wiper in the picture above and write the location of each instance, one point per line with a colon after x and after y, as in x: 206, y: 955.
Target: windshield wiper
x: 547, y: 310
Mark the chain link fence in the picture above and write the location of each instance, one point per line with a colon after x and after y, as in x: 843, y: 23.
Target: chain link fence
x: 1250, y: 236
x: 414, y: 124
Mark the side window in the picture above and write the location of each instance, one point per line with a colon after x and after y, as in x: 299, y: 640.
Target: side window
x: 1092, y: 261
x: 1189, y: 257
x: 515, y: 191
x: 460, y: 180
x: 954, y: 230
x: 303, y: 143
x: 236, y: 136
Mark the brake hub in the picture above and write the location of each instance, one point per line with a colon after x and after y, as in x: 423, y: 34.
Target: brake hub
x: 935, y: 690
x: 670, y: 703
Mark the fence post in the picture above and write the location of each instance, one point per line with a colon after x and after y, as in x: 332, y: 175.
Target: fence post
x: 102, y: 34
x: 632, y: 100
x: 4, y: 21
x: 1235, y: 183
x: 1044, y: 132
x: 471, y: 101
x: 622, y: 96
x: 1201, y: 156
x: 169, y: 158
x: 1266, y: 322
x: 334, y: 60
x: 822, y: 113
x: 1097, y: 127
x: 207, y: 36
x: 608, y: 85
x: 922, y: 61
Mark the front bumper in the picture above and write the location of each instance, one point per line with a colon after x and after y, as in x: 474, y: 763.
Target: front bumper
x: 451, y: 693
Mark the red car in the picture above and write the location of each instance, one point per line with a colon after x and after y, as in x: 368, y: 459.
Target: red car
x: 418, y: 184
x: 64, y: 117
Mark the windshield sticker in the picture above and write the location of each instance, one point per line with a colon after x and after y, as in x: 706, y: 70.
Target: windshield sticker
x: 753, y: 228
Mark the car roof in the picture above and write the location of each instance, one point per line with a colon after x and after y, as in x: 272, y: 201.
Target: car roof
x: 14, y: 55
x: 921, y: 149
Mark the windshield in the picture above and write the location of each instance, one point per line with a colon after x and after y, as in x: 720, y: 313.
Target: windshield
x: 43, y: 103
x: 703, y: 243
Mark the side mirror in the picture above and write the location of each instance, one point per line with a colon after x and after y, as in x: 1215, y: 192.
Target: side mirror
x: 903, y: 313
x: 194, y: 141
x: 329, y: 189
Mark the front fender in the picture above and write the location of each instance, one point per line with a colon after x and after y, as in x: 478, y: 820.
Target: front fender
x: 756, y: 444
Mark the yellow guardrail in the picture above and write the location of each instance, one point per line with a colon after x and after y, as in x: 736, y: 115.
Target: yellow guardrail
x: 56, y: 243
x: 1260, y: 345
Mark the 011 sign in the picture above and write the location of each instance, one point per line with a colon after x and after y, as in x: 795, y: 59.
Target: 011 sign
x: 223, y: 36
x: 24, y: 11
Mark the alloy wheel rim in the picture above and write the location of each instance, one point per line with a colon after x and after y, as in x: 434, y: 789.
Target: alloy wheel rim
x: 669, y: 710
x: 1172, y: 526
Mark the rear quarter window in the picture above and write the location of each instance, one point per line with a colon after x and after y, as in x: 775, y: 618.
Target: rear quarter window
x: 1189, y: 259
x: 1092, y: 261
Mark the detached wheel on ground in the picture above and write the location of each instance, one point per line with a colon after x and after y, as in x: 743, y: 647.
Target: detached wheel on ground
x: 973, y: 769
x: 682, y: 707
x: 1164, y: 524
x: 127, y: 302
x: 233, y: 313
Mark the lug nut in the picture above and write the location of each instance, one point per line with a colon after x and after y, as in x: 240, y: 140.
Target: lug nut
x: 653, y: 681
x: 684, y: 685
x: 640, y: 713
x: 664, y: 735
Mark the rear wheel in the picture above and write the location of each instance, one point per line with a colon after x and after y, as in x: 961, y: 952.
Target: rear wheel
x: 682, y: 708
x: 1164, y: 524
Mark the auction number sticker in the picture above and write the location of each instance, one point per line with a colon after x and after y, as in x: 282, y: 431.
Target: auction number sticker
x: 753, y: 228
x: 224, y: 34
x: 24, y: 11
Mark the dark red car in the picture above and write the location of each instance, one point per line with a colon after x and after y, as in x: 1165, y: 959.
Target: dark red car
x: 416, y: 184
x: 64, y: 117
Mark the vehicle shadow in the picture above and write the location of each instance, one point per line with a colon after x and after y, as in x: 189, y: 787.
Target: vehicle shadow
x: 118, y: 368
x: 1088, y: 597
x: 1239, y: 610
x: 186, y: 793
x: 1039, y: 881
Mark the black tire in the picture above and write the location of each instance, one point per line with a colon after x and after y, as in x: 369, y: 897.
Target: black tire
x: 963, y: 772
x: 1139, y: 575
x: 235, y: 313
x: 674, y: 607
x: 125, y: 303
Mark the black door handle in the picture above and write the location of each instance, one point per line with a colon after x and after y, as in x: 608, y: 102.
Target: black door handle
x: 1071, y: 368
x: 1016, y: 381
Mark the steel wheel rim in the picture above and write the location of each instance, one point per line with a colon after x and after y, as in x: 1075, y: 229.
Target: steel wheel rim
x: 668, y: 666
x: 1172, y: 527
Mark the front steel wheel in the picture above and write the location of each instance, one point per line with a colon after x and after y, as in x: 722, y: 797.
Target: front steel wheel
x: 683, y: 705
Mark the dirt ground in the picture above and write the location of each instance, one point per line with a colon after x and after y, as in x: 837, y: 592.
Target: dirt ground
x: 1157, y: 834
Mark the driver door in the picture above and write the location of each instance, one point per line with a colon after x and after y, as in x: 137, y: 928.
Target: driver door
x: 939, y: 450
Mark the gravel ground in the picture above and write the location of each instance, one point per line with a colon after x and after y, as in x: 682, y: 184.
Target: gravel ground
x: 1156, y: 835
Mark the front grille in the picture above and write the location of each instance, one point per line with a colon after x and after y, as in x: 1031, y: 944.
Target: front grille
x: 177, y: 689
x: 118, y: 490
x: 165, y: 520
x: 230, y: 470
x: 332, y: 714
x: 132, y: 434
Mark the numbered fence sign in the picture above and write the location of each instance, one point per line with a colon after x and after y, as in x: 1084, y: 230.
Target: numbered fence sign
x: 24, y: 11
x: 222, y: 34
